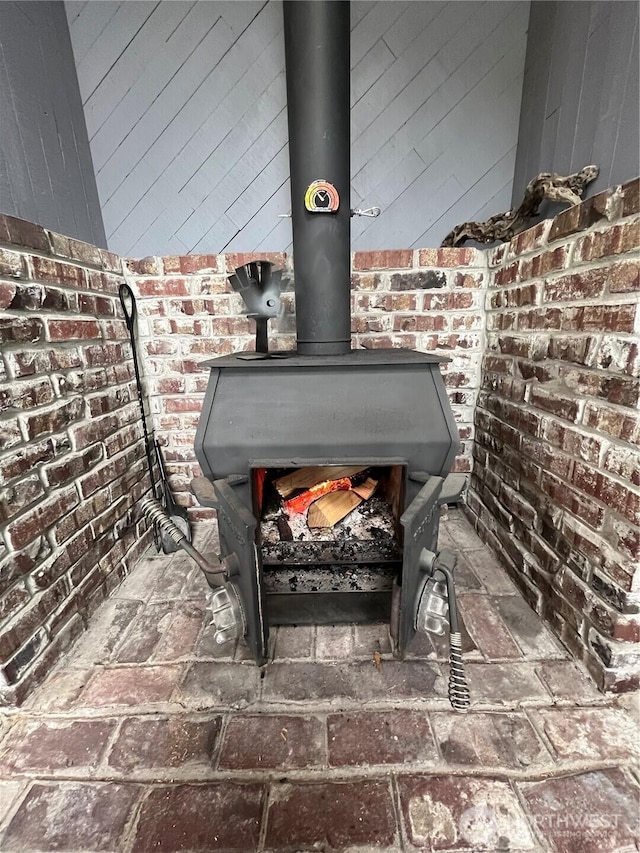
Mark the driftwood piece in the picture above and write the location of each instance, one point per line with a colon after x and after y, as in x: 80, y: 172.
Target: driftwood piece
x: 306, y: 478
x: 504, y: 226
x: 332, y: 508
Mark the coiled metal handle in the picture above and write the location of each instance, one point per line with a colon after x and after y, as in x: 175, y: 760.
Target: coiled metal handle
x: 459, y: 694
x: 153, y: 511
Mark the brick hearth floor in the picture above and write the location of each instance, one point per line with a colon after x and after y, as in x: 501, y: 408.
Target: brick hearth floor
x: 149, y: 737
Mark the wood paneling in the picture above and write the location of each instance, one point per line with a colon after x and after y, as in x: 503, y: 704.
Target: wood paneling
x: 581, y: 94
x: 186, y: 112
x: 46, y: 175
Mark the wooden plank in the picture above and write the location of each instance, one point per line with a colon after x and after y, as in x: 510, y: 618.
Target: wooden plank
x: 358, y: 9
x: 186, y: 122
x: 109, y: 132
x: 228, y: 72
x: 13, y: 148
x: 264, y: 221
x: 72, y: 9
x: 172, y: 101
x: 411, y: 25
x: 156, y: 238
x: 404, y: 227
x: 370, y: 68
x: 535, y: 82
x: 472, y: 199
x: 365, y: 490
x: 573, y: 68
x: 113, y: 41
x: 7, y: 199
x: 594, y: 56
x: 384, y: 192
x: 146, y: 45
x: 228, y: 182
x: 436, y: 107
x: 88, y: 24
x: 240, y: 156
x: 492, y: 108
x: 625, y: 159
x: 306, y: 478
x: 281, y: 237
x: 620, y: 64
x: 46, y: 176
x: 221, y: 232
x: 496, y: 204
x: 251, y: 200
x: 332, y: 508
x: 240, y: 118
x: 374, y: 24
x: 189, y: 134
x: 391, y: 85
x: 463, y: 47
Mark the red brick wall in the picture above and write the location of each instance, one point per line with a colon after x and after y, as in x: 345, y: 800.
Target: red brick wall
x: 71, y: 461
x: 556, y: 479
x: 541, y: 337
x: 430, y: 300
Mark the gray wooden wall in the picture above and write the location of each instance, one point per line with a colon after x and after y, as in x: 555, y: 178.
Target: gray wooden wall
x: 185, y: 108
x: 46, y: 175
x: 580, y: 98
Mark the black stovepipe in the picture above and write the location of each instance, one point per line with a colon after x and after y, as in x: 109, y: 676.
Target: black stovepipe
x: 316, y: 36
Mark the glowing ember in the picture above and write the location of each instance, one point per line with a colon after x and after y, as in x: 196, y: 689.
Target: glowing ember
x: 303, y: 501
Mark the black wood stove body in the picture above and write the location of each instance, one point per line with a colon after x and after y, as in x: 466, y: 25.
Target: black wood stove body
x: 266, y: 414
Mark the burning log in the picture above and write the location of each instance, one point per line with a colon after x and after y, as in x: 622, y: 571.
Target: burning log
x: 303, y: 501
x: 332, y: 508
x: 328, y: 500
x: 366, y: 489
x: 286, y: 534
x: 306, y: 478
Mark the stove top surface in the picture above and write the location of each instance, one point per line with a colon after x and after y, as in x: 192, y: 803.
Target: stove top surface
x: 355, y: 358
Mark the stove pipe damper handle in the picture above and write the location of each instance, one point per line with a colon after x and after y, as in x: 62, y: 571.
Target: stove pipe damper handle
x: 317, y: 54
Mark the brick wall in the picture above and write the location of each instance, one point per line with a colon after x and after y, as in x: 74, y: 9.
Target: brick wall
x: 71, y: 460
x: 541, y: 337
x: 429, y: 300
x: 556, y: 479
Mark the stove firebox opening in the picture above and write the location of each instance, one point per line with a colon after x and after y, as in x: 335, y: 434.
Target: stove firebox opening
x: 330, y: 541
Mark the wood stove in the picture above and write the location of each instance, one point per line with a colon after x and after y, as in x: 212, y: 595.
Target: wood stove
x: 382, y: 409
x: 267, y: 415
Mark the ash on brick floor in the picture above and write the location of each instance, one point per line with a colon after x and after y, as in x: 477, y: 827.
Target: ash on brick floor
x: 150, y: 737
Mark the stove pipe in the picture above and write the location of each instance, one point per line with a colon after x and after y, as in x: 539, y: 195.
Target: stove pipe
x: 316, y: 37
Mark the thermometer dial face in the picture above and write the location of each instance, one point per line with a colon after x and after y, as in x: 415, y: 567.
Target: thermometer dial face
x: 321, y: 197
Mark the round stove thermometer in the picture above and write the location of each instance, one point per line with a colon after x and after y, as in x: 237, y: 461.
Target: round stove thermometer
x: 321, y: 197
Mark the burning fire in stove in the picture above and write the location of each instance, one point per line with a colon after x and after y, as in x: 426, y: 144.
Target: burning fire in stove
x: 329, y: 513
x: 329, y: 500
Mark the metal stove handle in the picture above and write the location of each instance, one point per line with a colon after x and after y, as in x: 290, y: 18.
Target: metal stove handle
x: 444, y: 563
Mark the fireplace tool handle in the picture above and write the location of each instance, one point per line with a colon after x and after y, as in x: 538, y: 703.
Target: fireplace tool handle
x: 443, y: 563
x: 215, y: 573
